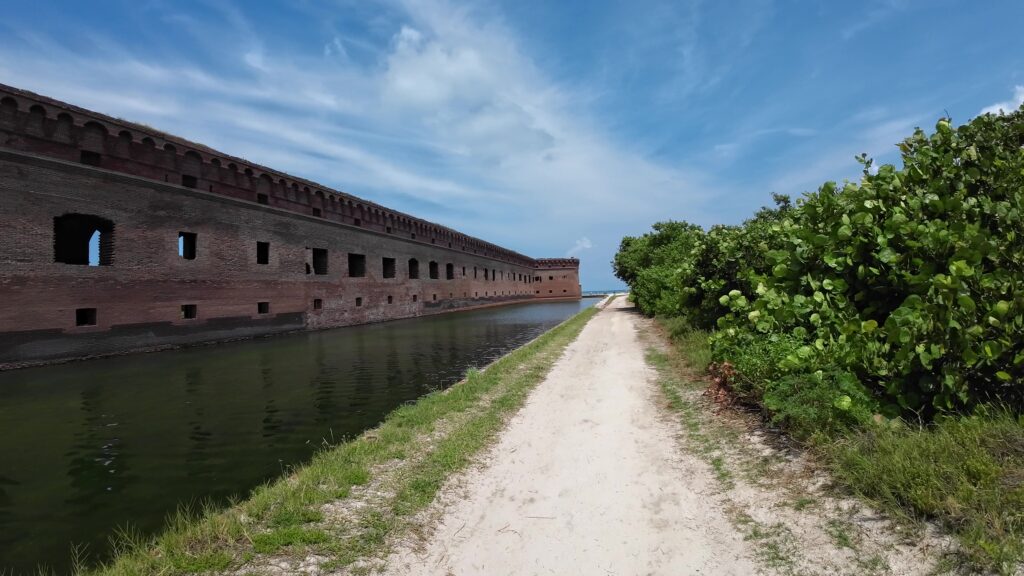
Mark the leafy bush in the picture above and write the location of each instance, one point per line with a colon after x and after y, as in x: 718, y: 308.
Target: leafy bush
x: 826, y: 403
x: 911, y: 279
x: 757, y: 360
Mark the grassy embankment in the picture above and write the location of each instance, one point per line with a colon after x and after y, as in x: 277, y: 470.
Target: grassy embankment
x: 965, y: 472
x: 344, y: 507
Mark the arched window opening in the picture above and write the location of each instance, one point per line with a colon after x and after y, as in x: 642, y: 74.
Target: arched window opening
x: 449, y: 271
x: 83, y: 239
x: 433, y: 270
x: 414, y: 269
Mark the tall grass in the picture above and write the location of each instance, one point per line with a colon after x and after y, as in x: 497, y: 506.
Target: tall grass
x: 965, y: 472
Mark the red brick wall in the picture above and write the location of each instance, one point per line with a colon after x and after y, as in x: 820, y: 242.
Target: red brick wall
x: 139, y: 297
x: 138, y: 186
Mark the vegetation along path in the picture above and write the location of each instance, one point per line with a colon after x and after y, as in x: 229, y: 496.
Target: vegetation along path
x: 612, y: 468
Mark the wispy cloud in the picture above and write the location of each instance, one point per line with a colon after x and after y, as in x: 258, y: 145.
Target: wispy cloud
x: 1007, y: 106
x: 878, y: 11
x: 581, y: 244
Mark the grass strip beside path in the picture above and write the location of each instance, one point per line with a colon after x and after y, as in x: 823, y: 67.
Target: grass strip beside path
x: 397, y: 468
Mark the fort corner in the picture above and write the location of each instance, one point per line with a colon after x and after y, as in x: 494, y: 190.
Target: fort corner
x: 122, y: 238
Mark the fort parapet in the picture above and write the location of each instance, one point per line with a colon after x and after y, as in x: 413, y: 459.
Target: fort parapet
x: 119, y: 237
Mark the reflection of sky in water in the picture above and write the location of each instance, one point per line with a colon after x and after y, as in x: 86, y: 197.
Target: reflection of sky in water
x: 92, y: 446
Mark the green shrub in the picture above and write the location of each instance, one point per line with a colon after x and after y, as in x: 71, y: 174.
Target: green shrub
x: 757, y: 359
x: 914, y: 278
x: 826, y: 403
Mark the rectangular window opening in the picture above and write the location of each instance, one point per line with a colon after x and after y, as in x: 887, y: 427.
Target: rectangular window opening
x: 390, y: 299
x: 359, y: 300
x: 414, y: 269
x: 388, y: 267
x: 263, y: 252
x: 90, y: 158
x: 415, y: 297
x: 356, y: 265
x: 189, y: 181
x: 449, y: 271
x: 263, y: 307
x: 187, y: 245
x: 358, y: 222
x: 435, y: 297
x: 433, y: 270
x: 319, y: 257
x: 189, y: 311
x: 83, y: 239
x: 317, y: 212
x: 318, y: 304
x: 262, y: 199
x: 85, y: 317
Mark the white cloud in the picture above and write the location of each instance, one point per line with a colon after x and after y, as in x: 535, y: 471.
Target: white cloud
x: 1007, y: 106
x: 582, y: 244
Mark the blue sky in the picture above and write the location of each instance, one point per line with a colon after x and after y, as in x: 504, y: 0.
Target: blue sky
x: 552, y: 128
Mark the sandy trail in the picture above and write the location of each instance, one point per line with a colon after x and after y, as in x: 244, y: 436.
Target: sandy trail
x: 587, y: 479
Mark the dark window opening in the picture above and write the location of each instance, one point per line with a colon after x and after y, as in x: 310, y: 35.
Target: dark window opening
x: 414, y: 269
x: 263, y: 307
x: 187, y: 245
x: 413, y: 235
x: 388, y: 266
x: 85, y: 317
x: 263, y: 252
x: 189, y: 181
x: 317, y: 212
x: 262, y: 199
x: 189, y: 311
x: 415, y: 297
x: 551, y: 277
x: 358, y: 222
x: 463, y: 271
x: 474, y: 272
x: 83, y: 239
x: 388, y: 229
x: 433, y: 241
x: 359, y: 300
x: 319, y: 260
x: 435, y: 296
x: 89, y: 157
x: 449, y: 271
x: 390, y: 299
x: 433, y: 270
x: 317, y: 304
x: 356, y: 265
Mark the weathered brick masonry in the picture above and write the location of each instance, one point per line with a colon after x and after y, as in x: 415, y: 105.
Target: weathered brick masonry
x: 196, y: 245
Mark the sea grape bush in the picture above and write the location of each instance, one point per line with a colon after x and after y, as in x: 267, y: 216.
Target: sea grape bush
x: 910, y: 280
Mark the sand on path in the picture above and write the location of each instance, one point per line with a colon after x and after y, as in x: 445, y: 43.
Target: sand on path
x: 587, y: 478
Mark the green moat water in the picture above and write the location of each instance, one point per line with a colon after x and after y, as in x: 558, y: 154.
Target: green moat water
x: 92, y: 447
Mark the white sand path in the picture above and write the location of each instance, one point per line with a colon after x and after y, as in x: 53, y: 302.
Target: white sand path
x: 588, y: 479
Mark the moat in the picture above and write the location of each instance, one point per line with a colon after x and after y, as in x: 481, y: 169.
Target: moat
x: 94, y: 447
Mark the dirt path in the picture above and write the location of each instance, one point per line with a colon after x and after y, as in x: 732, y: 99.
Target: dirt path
x: 587, y: 479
